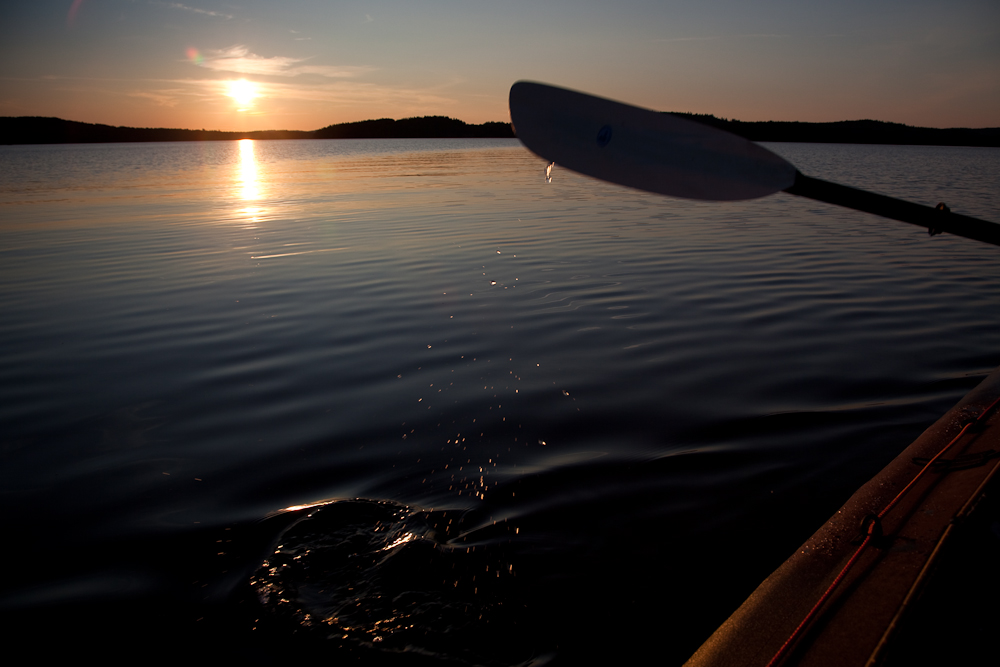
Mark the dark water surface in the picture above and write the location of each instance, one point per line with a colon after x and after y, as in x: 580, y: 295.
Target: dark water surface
x: 563, y: 423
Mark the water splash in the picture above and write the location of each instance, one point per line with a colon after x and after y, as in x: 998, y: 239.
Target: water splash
x: 379, y: 576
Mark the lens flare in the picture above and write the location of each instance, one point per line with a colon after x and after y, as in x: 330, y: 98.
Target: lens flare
x: 74, y: 8
x: 195, y: 56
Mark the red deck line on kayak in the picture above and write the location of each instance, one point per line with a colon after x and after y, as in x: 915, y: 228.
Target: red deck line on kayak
x: 872, y: 527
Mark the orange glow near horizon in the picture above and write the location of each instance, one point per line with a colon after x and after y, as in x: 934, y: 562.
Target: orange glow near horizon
x: 243, y: 67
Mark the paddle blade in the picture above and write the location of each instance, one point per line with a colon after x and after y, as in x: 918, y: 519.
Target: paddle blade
x: 643, y: 149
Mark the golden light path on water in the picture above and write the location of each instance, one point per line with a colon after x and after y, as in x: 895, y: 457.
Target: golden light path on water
x: 249, y: 180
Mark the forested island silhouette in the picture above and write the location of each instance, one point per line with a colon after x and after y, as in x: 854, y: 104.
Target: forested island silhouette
x: 41, y: 130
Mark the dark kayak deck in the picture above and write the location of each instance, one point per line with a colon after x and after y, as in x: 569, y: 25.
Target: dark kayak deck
x: 877, y: 603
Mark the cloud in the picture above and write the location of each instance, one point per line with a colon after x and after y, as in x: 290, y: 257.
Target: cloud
x: 177, y: 5
x: 163, y: 98
x: 708, y: 38
x: 353, y: 93
x: 239, y: 59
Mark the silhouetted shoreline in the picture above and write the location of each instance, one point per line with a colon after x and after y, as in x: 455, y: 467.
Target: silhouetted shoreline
x: 40, y: 130
x: 853, y: 132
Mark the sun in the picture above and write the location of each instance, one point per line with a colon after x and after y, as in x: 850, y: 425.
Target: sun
x: 243, y: 92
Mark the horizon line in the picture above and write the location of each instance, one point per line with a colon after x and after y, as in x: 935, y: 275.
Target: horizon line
x: 707, y: 116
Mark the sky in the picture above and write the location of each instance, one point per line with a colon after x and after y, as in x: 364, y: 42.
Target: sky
x: 305, y: 64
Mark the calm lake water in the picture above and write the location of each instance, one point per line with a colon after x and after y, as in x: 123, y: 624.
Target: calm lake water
x: 562, y: 423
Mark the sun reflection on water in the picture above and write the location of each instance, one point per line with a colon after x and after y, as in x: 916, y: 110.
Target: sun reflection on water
x: 248, y: 171
x: 247, y: 181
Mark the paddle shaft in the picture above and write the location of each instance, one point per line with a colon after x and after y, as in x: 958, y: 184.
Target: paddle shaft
x: 935, y: 220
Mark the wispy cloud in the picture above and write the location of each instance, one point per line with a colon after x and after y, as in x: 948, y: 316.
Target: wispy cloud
x: 688, y: 39
x: 195, y: 10
x: 163, y: 98
x: 708, y: 38
x: 356, y: 93
x: 239, y: 59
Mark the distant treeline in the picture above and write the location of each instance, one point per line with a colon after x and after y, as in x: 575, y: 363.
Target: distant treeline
x: 427, y: 127
x: 852, y: 132
x: 38, y: 130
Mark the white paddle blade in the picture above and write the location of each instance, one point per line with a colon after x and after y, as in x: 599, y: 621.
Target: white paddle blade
x: 643, y: 149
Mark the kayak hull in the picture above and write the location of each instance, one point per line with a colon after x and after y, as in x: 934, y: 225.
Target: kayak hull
x: 858, y: 622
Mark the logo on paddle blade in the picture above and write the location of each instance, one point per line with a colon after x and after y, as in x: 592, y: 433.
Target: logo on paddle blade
x: 604, y: 136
